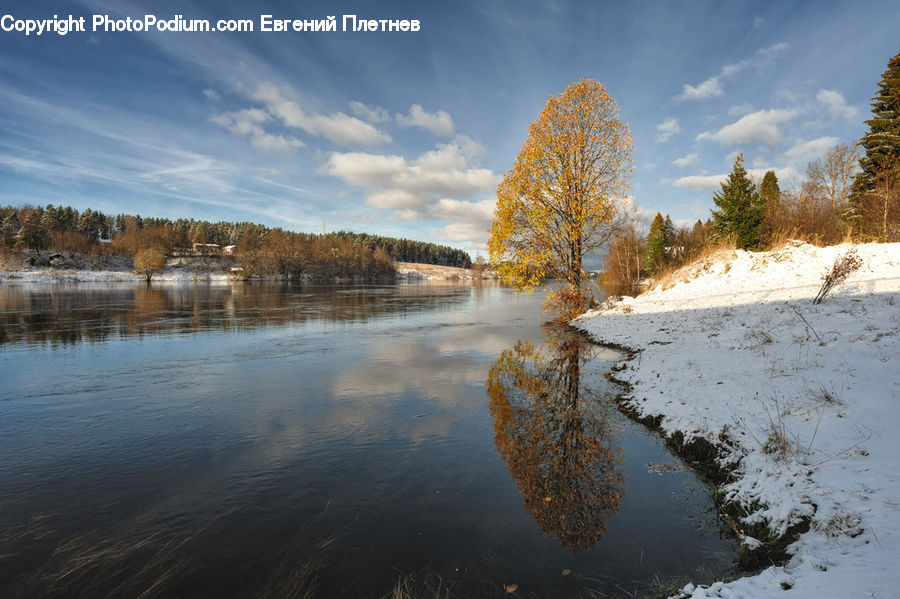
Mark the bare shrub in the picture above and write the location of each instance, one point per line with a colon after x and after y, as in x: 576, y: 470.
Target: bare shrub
x: 165, y: 238
x: 803, y: 213
x: 622, y: 269
x: 71, y: 240
x: 842, y: 268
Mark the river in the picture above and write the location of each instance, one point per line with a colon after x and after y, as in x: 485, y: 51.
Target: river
x: 244, y: 440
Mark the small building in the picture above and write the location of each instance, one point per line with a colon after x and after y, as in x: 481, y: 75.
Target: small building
x: 206, y: 248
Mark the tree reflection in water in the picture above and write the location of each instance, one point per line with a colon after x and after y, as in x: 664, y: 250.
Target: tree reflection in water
x: 552, y: 432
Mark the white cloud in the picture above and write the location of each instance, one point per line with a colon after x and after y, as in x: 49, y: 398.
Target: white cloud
x: 836, y: 105
x: 372, y: 114
x: 338, y: 128
x: 667, y: 129
x: 803, y: 152
x: 711, y: 183
x: 689, y: 160
x: 757, y: 127
x: 470, y: 220
x: 700, y: 182
x: 786, y: 175
x: 707, y: 89
x: 434, y: 186
x: 212, y: 95
x: 415, y: 188
x: 248, y: 123
x: 440, y: 123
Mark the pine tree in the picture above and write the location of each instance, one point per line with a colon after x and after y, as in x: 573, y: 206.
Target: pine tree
x: 32, y: 234
x: 669, y: 231
x: 741, y: 208
x: 882, y: 142
x: 9, y: 230
x: 654, y: 259
x: 769, y: 190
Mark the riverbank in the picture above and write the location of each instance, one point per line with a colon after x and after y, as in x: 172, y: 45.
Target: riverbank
x: 185, y: 272
x: 801, y: 401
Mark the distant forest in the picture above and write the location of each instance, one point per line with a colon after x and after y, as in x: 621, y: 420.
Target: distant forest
x: 66, y: 228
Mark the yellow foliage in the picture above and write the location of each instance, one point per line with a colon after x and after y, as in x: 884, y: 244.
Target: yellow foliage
x: 559, y: 200
x: 150, y: 261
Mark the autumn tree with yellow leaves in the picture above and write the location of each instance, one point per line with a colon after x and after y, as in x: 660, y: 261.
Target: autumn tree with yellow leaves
x: 559, y: 200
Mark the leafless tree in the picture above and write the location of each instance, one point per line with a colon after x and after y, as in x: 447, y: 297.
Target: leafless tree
x: 834, y: 173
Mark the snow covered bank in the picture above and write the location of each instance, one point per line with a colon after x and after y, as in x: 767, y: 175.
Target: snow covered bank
x: 803, y: 400
x: 49, y: 275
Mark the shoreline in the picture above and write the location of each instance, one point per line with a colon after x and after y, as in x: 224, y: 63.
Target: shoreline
x: 706, y: 458
x: 406, y: 271
x: 792, y: 407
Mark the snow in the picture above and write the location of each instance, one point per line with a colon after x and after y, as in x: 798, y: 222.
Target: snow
x: 803, y: 400
x: 50, y: 275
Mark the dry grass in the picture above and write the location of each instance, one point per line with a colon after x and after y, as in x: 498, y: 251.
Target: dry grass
x: 721, y: 252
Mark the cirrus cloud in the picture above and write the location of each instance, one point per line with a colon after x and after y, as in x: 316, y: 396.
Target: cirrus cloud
x: 338, y: 128
x: 249, y: 123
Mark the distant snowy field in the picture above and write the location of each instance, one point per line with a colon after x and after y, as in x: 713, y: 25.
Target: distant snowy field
x: 807, y: 396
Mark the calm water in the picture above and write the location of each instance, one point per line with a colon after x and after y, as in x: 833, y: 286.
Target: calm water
x: 240, y: 441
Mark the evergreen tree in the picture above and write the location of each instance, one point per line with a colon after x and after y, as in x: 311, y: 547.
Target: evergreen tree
x: 769, y: 190
x: 698, y: 231
x: 882, y: 142
x: 740, y: 206
x: 9, y: 230
x: 654, y: 259
x: 32, y: 235
x: 669, y: 232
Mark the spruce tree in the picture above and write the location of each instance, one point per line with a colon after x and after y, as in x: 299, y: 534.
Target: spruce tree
x: 655, y: 257
x: 669, y: 231
x: 882, y: 142
x: 32, y: 234
x: 741, y: 208
x: 769, y: 190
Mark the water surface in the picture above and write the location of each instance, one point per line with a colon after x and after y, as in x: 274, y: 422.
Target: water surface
x: 262, y: 440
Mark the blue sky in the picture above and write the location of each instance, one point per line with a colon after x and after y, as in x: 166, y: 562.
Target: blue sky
x: 407, y: 134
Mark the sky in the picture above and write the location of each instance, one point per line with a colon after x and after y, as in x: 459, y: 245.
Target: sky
x: 406, y: 133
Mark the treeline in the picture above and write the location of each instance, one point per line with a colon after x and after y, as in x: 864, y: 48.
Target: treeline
x: 633, y: 257
x: 65, y: 228
x: 297, y: 256
x: 407, y: 250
